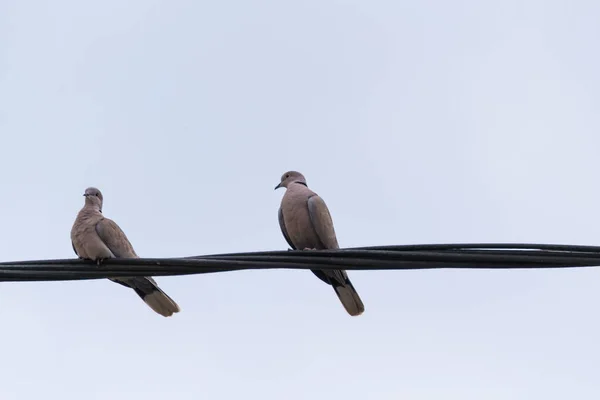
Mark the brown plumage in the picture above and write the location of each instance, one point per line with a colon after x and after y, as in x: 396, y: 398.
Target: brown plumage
x: 305, y: 222
x: 97, y: 238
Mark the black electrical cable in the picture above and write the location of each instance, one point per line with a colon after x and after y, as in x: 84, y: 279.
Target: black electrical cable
x: 429, y: 256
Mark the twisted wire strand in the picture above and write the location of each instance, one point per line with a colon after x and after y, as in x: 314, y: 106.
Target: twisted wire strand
x: 407, y: 257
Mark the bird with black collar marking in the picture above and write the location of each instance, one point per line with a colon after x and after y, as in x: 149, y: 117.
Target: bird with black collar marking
x: 95, y: 237
x: 306, y: 224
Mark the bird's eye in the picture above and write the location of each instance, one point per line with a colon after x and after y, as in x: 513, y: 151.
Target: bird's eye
x: 287, y: 176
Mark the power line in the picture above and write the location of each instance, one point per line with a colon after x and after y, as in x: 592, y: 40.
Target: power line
x: 428, y: 256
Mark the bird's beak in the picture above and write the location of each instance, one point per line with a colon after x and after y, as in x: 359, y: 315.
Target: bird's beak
x: 85, y: 195
x: 278, y: 186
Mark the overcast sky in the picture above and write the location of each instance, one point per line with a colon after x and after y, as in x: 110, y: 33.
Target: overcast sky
x: 417, y: 122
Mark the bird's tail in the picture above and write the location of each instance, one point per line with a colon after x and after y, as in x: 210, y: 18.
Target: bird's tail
x: 152, y: 295
x: 349, y: 298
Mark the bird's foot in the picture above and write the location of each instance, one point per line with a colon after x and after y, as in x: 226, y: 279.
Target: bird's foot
x: 99, y: 261
x: 307, y: 248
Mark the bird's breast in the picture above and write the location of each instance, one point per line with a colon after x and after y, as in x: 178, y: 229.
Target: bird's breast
x: 297, y: 222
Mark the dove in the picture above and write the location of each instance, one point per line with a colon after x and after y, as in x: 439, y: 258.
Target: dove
x: 97, y: 238
x: 306, y: 224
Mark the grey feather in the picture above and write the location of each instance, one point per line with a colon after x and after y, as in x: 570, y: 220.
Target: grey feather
x: 322, y: 222
x: 115, y: 239
x: 283, y: 230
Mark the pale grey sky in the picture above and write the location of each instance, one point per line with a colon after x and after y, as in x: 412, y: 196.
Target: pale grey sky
x: 417, y: 122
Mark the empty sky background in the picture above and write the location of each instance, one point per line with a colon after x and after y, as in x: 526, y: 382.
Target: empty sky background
x: 417, y: 122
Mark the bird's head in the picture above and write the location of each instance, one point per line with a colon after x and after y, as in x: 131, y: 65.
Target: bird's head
x: 93, y: 197
x: 291, y: 177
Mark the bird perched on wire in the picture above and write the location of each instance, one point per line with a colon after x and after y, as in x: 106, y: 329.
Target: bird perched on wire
x: 95, y: 237
x: 307, y: 225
